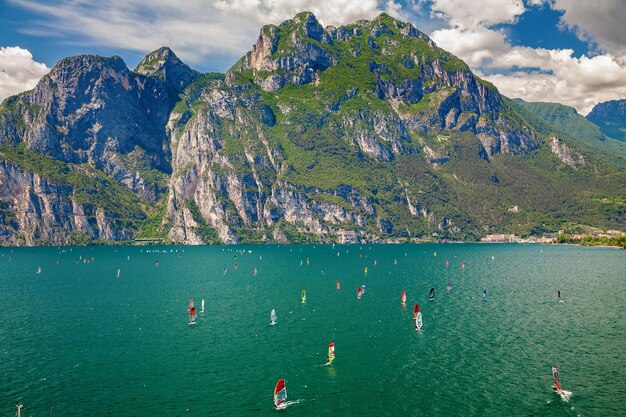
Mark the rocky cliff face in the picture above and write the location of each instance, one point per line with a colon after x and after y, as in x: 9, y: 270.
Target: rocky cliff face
x: 37, y: 212
x: 366, y: 132
x: 92, y: 109
x: 378, y: 90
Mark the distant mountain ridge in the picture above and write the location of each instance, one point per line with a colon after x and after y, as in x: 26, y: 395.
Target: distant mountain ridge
x: 366, y: 132
x: 566, y: 119
x: 610, y: 116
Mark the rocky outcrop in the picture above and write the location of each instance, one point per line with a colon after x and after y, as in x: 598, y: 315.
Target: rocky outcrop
x: 565, y: 154
x: 164, y: 64
x: 288, y: 54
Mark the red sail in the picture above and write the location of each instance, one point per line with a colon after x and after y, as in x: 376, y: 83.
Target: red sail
x: 280, y: 392
x: 416, y: 310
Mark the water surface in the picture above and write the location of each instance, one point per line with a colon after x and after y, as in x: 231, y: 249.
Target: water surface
x: 84, y: 342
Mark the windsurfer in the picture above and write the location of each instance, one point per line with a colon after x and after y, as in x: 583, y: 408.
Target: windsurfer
x: 555, y: 377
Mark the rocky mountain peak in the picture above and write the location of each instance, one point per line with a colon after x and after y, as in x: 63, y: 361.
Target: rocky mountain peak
x: 611, y: 107
x: 310, y: 27
x: 75, y: 70
x: 163, y: 63
x: 295, y: 51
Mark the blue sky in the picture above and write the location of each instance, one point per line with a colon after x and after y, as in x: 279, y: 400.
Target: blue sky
x: 566, y: 51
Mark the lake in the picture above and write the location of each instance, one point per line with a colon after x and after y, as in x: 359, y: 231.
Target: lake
x: 77, y: 340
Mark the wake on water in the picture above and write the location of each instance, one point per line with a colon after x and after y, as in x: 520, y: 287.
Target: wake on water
x: 565, y: 395
x: 287, y: 404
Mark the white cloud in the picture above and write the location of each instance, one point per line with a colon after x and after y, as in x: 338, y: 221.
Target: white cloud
x: 577, y: 82
x: 477, y: 46
x: 472, y: 13
x: 555, y: 75
x: 18, y: 71
x: 600, y: 22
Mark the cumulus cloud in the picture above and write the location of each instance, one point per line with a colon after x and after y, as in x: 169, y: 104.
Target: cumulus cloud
x: 18, y: 71
x: 537, y: 74
x: 577, y: 82
x: 597, y: 22
x: 477, y: 46
x: 469, y: 13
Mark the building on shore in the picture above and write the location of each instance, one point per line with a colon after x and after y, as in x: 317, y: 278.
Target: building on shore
x: 500, y: 238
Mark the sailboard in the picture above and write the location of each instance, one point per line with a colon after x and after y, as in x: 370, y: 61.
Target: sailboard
x: 431, y: 295
x: 359, y: 292
x: 338, y: 285
x: 331, y: 353
x: 303, y: 298
x: 448, y: 287
x: 280, y: 394
x: 403, y: 298
x: 202, y: 306
x: 273, y: 317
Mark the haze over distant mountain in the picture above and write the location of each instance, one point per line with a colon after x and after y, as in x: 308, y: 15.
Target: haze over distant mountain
x: 610, y: 116
x: 365, y: 132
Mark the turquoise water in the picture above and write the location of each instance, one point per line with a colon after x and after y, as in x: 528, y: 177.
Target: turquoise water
x: 80, y: 340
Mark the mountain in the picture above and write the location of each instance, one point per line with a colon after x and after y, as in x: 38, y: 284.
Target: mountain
x: 565, y: 119
x: 610, y: 116
x: 587, y: 135
x: 365, y: 132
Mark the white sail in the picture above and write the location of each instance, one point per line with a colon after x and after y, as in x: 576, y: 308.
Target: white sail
x: 418, y: 320
x: 273, y: 317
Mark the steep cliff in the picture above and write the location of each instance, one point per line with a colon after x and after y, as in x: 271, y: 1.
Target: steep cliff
x: 93, y: 110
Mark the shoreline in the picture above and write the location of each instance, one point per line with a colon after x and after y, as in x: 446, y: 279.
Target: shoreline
x: 456, y: 242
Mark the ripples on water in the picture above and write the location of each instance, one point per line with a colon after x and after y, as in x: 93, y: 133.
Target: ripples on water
x: 79, y: 339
